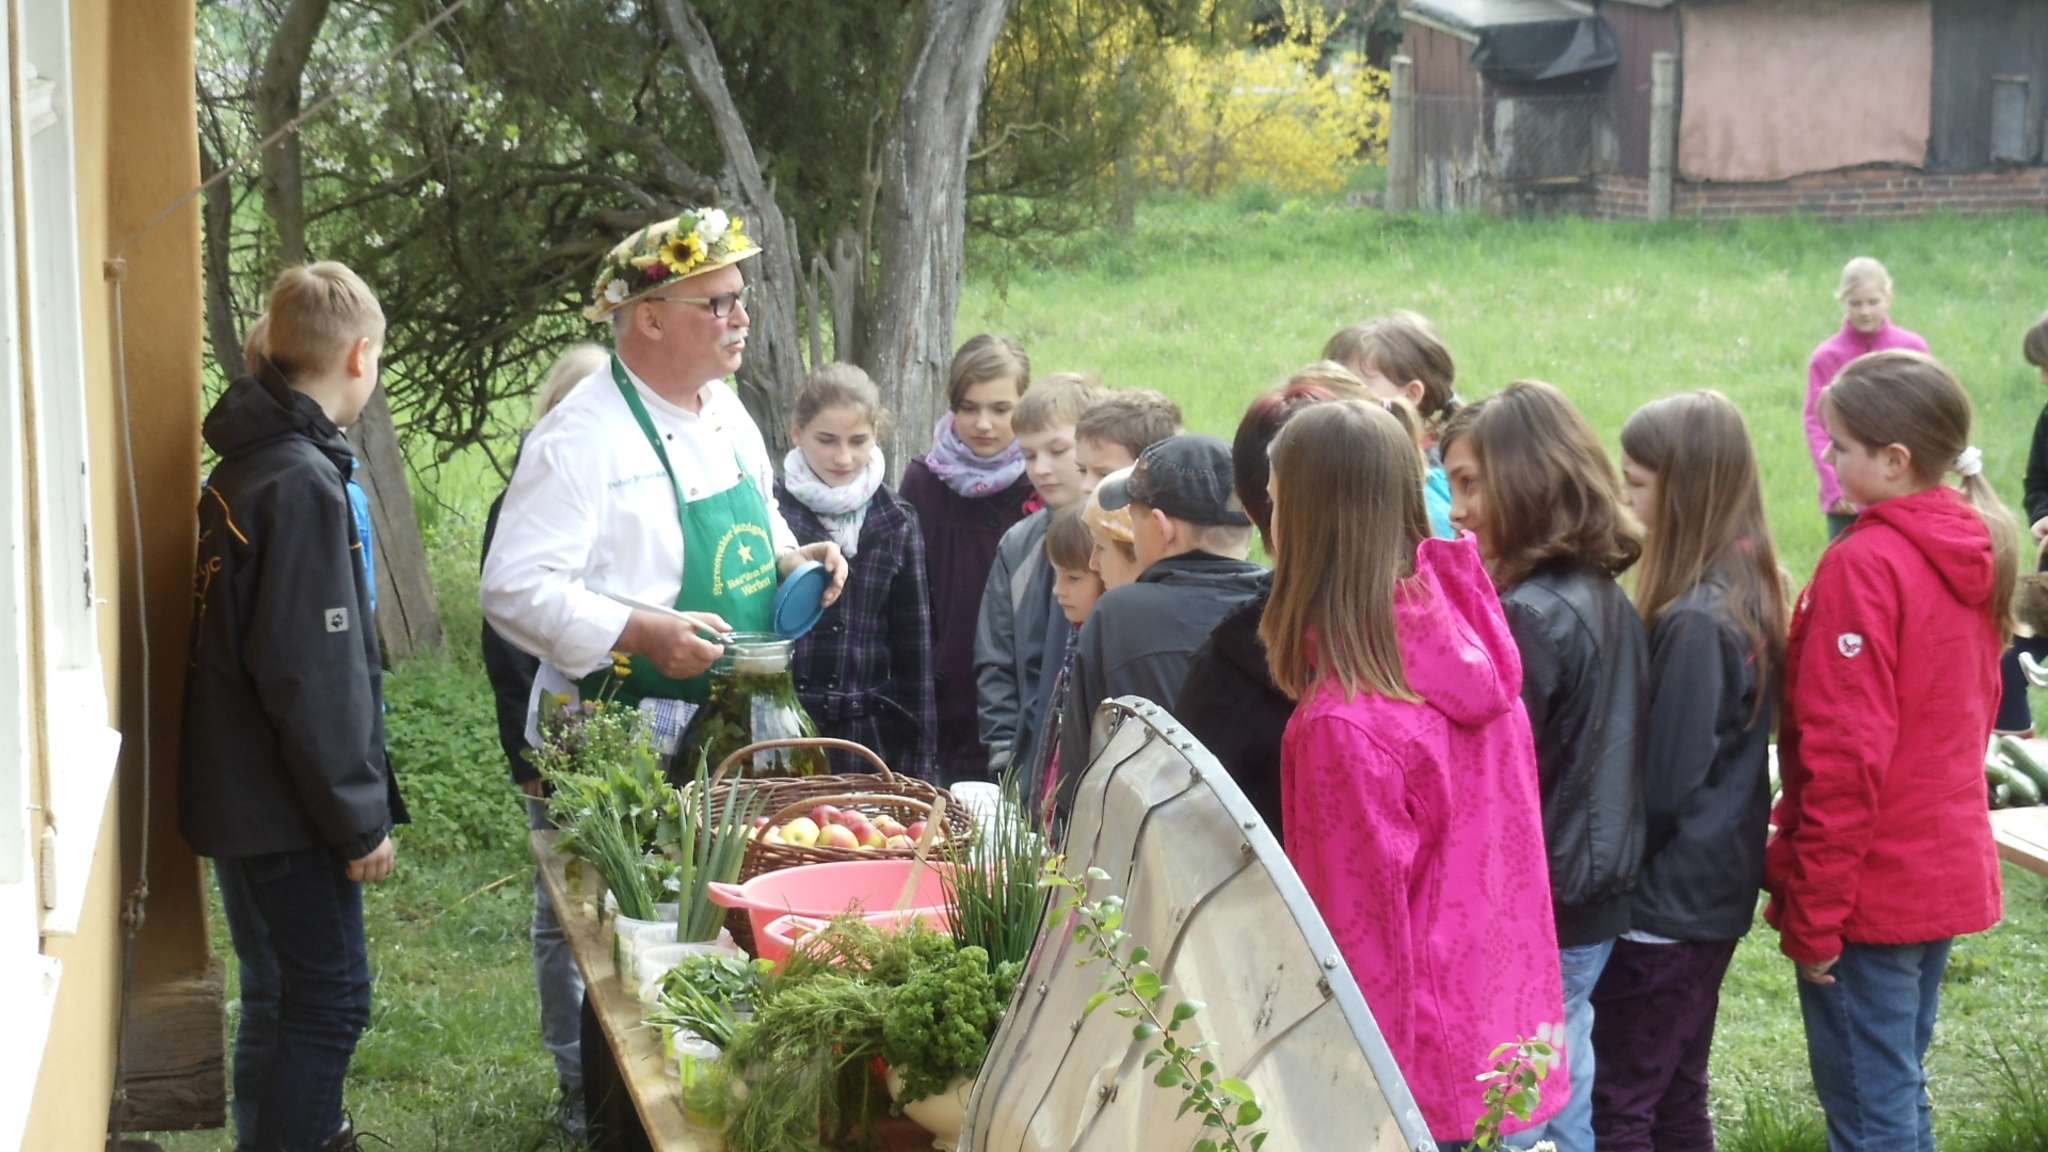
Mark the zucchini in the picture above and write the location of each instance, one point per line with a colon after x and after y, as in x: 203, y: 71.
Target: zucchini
x: 2020, y: 789
x: 2022, y: 758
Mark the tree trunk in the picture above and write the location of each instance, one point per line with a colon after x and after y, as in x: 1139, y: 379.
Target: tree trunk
x: 774, y: 362
x: 407, y: 618
x: 223, y: 327
x: 277, y: 104
x: 922, y: 217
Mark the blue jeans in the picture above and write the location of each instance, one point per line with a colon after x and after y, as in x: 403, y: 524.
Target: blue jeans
x: 1866, y: 1040
x: 559, y: 983
x: 1571, y: 1129
x: 296, y: 920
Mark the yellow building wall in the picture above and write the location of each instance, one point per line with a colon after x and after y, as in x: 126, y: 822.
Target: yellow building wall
x: 137, y: 151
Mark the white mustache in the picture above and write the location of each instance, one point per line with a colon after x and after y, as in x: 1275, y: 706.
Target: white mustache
x: 732, y: 338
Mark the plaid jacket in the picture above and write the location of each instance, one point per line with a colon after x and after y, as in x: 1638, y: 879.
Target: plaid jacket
x: 865, y: 672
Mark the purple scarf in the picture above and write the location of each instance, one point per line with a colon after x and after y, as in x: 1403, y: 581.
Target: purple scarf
x: 958, y: 468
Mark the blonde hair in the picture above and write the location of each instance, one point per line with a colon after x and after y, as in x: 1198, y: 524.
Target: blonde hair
x: 1401, y: 346
x: 1349, y: 519
x: 572, y: 367
x: 1909, y: 399
x: 317, y: 312
x: 1133, y: 420
x: 1112, y: 527
x: 1057, y: 400
x: 1710, y: 521
x: 1068, y: 542
x: 983, y: 358
x: 1862, y: 271
x: 1551, y: 493
x: 835, y: 385
x: 254, y: 362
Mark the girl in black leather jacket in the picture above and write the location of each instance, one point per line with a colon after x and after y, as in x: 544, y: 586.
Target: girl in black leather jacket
x: 1530, y: 479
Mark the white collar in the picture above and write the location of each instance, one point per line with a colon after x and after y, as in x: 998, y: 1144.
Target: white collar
x: 655, y: 401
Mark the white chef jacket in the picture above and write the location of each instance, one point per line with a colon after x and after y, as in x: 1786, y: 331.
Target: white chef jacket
x: 590, y: 511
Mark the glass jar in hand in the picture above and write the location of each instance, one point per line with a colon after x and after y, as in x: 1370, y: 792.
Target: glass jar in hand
x: 752, y: 698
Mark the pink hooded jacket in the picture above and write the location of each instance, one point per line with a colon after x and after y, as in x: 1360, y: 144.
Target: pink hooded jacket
x: 1828, y: 360
x: 1418, y: 830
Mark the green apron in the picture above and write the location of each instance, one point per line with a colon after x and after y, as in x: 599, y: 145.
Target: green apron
x: 729, y: 569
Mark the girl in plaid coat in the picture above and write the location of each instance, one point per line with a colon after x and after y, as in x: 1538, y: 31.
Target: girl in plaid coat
x: 865, y: 672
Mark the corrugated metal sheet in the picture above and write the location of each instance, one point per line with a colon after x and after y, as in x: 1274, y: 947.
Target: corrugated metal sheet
x: 1209, y: 892
x: 1470, y: 17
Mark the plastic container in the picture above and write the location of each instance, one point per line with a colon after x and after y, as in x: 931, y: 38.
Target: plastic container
x: 630, y: 937
x: 785, y: 934
x: 653, y: 961
x: 823, y: 891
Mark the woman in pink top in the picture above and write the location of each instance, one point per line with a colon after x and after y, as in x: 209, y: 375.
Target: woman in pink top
x: 1408, y: 778
x: 1866, y: 295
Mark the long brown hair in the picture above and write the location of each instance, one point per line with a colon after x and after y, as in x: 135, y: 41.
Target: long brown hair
x: 1551, y: 492
x: 1710, y: 521
x: 983, y: 358
x: 1909, y: 399
x: 1402, y: 346
x: 1348, y: 521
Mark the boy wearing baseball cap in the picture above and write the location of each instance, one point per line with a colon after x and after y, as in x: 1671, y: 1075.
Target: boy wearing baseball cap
x: 1192, y: 536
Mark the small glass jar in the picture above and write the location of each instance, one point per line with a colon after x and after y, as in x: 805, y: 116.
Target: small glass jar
x: 752, y: 698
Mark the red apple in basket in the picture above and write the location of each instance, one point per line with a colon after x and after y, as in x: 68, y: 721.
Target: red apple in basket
x: 837, y: 836
x: 824, y: 814
x: 915, y: 831
x: 870, y: 836
x: 887, y: 825
x: 899, y: 843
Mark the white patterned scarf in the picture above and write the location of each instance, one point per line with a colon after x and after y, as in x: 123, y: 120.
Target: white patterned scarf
x: 841, y: 509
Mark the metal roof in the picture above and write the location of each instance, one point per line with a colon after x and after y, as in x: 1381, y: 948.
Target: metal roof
x: 1468, y: 18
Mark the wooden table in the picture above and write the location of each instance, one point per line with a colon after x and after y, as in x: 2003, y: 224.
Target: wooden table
x: 643, y: 1071
x: 2022, y: 836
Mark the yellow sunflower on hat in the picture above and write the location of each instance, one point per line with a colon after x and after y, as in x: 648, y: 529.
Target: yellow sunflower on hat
x: 694, y: 242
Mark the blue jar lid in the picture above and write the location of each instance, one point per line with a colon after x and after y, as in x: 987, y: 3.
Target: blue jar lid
x: 800, y: 601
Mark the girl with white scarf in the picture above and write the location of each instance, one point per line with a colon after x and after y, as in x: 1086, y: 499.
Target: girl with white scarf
x: 864, y: 673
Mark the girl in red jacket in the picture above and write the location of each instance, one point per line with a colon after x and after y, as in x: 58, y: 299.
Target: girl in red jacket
x: 1883, y: 853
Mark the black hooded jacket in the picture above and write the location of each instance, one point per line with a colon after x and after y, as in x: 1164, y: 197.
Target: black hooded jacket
x: 1232, y: 706
x: 283, y: 745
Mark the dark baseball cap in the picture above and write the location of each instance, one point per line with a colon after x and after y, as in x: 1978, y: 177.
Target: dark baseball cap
x: 1188, y: 477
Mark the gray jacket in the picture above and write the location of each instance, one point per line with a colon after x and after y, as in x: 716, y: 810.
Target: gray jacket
x: 1019, y: 643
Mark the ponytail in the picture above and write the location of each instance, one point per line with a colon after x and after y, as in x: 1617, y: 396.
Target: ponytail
x: 2005, y: 544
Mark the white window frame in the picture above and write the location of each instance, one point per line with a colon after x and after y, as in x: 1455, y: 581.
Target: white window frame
x: 28, y: 979
x: 81, y: 748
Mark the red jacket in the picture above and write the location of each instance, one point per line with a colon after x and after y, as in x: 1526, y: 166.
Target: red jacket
x: 1891, y: 683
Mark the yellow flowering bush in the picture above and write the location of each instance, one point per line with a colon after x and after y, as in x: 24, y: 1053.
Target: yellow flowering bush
x: 1268, y: 115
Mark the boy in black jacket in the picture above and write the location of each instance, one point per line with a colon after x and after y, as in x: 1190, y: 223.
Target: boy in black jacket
x: 284, y: 780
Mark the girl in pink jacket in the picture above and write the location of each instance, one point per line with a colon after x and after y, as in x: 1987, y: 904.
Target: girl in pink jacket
x: 1866, y: 295
x: 1408, y: 778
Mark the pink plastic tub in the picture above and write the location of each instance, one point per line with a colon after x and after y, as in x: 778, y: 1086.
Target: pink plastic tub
x: 823, y: 891
x: 786, y: 934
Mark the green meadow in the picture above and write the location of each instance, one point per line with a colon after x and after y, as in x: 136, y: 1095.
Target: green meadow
x: 1212, y: 301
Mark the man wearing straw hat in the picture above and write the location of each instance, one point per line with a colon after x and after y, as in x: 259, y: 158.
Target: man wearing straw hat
x: 648, y: 489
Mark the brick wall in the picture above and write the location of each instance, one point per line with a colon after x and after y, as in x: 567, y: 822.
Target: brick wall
x: 1860, y: 192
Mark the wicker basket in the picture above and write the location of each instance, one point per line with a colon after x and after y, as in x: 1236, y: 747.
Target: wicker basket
x: 780, y: 798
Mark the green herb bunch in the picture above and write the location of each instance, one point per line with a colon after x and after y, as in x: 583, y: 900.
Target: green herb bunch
x: 609, y: 797
x: 1228, y: 1108
x: 993, y: 884
x: 940, y: 1021
x: 705, y: 994
x: 851, y: 994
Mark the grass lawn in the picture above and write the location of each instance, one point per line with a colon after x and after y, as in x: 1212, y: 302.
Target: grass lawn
x: 1211, y: 302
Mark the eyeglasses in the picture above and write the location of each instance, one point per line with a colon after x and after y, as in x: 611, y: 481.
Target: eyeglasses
x: 721, y: 305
